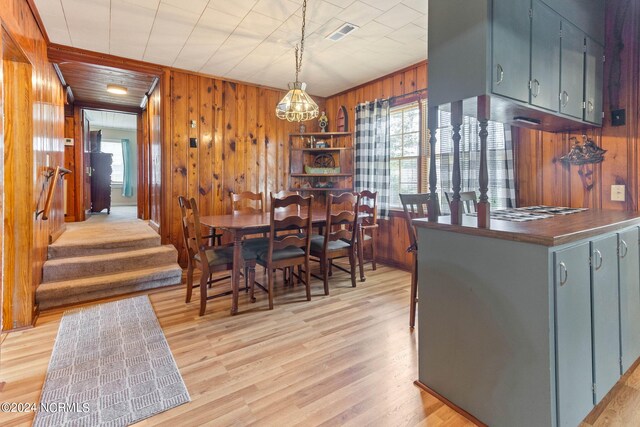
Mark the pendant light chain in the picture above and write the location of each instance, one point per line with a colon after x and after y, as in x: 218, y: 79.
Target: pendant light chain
x: 300, y: 48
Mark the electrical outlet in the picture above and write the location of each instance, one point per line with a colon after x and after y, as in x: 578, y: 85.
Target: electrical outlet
x: 617, y: 193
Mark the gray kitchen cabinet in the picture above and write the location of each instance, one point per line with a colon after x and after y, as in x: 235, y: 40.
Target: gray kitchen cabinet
x: 594, y: 76
x: 573, y: 334
x: 605, y: 317
x: 629, y: 271
x: 510, y: 52
x: 571, y: 70
x: 545, y: 56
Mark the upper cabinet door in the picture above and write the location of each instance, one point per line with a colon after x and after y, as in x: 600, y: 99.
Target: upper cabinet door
x: 545, y: 56
x: 571, y: 70
x: 511, y: 48
x: 605, y: 314
x: 594, y: 75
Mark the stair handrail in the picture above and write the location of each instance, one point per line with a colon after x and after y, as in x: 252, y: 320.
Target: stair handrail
x: 56, y: 173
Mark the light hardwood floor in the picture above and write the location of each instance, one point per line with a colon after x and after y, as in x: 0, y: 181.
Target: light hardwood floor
x: 345, y: 359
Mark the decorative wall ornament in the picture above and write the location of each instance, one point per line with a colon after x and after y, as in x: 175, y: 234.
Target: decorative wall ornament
x: 583, y: 153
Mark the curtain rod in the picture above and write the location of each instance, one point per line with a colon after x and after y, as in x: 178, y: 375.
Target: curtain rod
x: 415, y: 92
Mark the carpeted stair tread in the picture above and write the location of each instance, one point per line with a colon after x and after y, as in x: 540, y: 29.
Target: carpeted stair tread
x: 116, y: 262
x: 116, y: 243
x: 53, y: 294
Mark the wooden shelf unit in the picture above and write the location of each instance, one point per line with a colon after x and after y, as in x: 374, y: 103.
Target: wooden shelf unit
x: 340, y: 150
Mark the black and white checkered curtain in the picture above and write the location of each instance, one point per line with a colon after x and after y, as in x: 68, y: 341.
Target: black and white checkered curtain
x: 373, y: 146
x: 502, y: 193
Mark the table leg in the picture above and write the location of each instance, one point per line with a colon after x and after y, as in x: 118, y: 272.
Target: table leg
x: 235, y: 273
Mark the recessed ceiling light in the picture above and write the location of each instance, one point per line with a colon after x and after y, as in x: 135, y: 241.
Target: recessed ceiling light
x: 342, y: 32
x: 117, y: 90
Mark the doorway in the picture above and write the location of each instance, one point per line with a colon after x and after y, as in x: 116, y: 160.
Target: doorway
x: 113, y: 158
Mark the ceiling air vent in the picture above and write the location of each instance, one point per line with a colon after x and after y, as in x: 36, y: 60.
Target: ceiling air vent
x: 342, y: 32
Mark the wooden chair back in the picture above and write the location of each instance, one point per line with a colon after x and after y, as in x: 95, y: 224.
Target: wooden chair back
x: 468, y: 198
x: 283, y: 194
x: 368, y: 205
x: 415, y: 206
x: 191, y: 229
x: 282, y: 223
x: 342, y: 223
x: 242, y: 202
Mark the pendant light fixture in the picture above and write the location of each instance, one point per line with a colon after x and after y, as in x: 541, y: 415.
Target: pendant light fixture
x: 297, y: 106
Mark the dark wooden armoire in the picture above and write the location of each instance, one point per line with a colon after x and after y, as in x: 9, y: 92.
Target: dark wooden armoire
x: 101, y: 181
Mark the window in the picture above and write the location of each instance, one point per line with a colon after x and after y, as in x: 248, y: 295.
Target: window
x: 405, y: 150
x: 115, y: 148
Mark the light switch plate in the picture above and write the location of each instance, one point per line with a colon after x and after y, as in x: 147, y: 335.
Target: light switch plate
x: 617, y: 193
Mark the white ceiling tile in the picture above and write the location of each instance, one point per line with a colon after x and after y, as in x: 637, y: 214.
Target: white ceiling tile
x: 193, y: 6
x: 382, y: 4
x: 170, y: 32
x: 149, y: 4
x: 88, y: 22
x: 319, y: 11
x: 421, y: 21
x: 130, y: 28
x: 257, y: 25
x: 342, y: 3
x: 234, y: 7
x: 54, y: 20
x: 277, y: 9
x: 359, y: 13
x: 398, y: 16
x: 372, y: 31
x: 419, y: 5
x: 408, y: 34
x: 289, y: 31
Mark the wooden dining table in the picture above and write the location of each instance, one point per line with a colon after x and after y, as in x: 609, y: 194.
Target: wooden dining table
x: 243, y: 224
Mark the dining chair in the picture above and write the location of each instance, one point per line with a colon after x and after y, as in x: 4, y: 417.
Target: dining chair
x: 289, y: 240
x: 206, y: 258
x: 340, y: 236
x: 247, y: 202
x: 469, y: 200
x: 286, y: 272
x: 414, y: 206
x: 368, y: 230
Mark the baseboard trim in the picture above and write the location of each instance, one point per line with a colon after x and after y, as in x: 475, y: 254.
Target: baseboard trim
x: 450, y: 404
x: 155, y: 226
x: 393, y: 263
x: 57, y: 233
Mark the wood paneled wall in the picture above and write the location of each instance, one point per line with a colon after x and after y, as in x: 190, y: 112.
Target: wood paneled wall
x: 393, y: 238
x: 153, y: 124
x: 47, y: 117
x: 242, y: 145
x: 542, y: 178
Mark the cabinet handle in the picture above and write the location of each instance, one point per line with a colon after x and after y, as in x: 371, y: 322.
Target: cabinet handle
x: 564, y: 98
x: 590, y: 106
x: 499, y: 74
x: 563, y: 268
x: 535, y: 88
x: 623, y: 244
x: 598, y: 255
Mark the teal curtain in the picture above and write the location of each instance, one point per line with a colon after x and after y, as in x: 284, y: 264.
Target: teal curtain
x: 128, y: 178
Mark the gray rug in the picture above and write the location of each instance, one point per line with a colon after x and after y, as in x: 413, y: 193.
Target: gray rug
x: 111, y: 366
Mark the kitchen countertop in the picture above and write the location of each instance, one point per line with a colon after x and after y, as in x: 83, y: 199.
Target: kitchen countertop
x: 559, y: 230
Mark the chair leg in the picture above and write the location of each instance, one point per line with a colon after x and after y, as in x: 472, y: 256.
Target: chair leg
x: 330, y: 263
x: 210, y: 284
x: 203, y: 292
x: 361, y: 256
x: 246, y: 279
x: 352, y: 263
x: 300, y: 272
x: 270, y: 281
x: 189, y: 282
x: 252, y: 281
x: 307, y: 278
x: 325, y: 277
x: 414, y: 293
x: 374, y: 250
